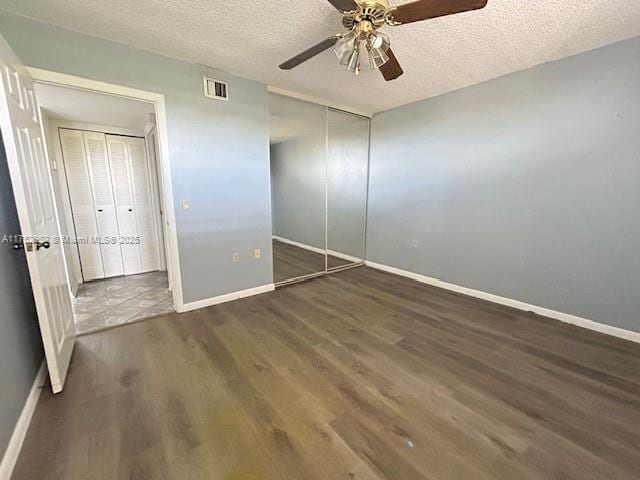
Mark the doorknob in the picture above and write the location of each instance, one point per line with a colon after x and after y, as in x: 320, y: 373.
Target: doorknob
x: 30, y: 246
x: 44, y: 245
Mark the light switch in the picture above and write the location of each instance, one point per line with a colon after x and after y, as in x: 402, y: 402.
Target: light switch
x: 257, y: 253
x: 236, y: 257
x: 186, y: 204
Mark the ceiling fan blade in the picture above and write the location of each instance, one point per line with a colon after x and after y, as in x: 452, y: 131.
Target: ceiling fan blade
x: 392, y: 69
x: 425, y: 9
x: 344, y: 5
x: 309, y: 53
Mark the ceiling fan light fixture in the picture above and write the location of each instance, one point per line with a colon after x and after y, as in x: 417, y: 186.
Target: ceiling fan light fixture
x: 378, y: 45
x: 353, y: 65
x: 380, y: 41
x: 344, y: 45
x: 362, y: 19
x: 377, y: 58
x: 346, y: 58
x: 350, y: 49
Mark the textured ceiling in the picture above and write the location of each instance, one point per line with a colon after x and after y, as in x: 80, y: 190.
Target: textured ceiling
x: 251, y: 37
x: 89, y: 107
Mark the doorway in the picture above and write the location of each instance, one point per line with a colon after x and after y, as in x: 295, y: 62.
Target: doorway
x: 30, y: 172
x: 109, y: 200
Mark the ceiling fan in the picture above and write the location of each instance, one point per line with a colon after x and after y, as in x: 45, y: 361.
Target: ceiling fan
x: 363, y: 18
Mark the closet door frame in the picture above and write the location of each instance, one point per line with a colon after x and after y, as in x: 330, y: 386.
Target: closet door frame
x: 58, y: 175
x: 151, y: 141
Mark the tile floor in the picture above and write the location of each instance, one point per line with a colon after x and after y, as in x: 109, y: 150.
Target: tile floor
x: 107, y: 303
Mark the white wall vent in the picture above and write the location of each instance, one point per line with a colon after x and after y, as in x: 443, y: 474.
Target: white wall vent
x: 216, y: 89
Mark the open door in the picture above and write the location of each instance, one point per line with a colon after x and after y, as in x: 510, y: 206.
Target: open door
x: 33, y: 190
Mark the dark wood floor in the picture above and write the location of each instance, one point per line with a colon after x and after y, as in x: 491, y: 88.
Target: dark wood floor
x: 357, y: 375
x: 290, y: 261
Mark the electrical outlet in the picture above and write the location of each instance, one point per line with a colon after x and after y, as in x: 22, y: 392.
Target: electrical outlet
x: 414, y: 244
x: 236, y: 257
x: 257, y: 254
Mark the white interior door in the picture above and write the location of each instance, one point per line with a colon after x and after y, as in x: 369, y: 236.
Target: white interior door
x: 31, y: 179
x: 83, y: 210
x: 144, y: 205
x: 125, y: 203
x: 103, y: 199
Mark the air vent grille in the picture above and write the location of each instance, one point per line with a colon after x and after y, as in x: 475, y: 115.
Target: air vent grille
x: 216, y: 89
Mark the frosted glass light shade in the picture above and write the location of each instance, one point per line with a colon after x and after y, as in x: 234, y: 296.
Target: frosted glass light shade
x: 378, y: 47
x: 344, y: 45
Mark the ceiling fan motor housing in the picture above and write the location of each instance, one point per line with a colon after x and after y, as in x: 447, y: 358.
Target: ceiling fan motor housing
x: 372, y: 11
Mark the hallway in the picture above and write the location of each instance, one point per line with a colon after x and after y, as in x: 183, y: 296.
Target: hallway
x: 107, y: 303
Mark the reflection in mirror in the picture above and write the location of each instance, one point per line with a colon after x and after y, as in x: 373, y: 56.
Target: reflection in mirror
x: 298, y: 180
x: 347, y: 171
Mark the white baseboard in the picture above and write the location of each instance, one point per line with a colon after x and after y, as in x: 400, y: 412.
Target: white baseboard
x: 299, y: 244
x: 344, y: 256
x: 546, y: 312
x: 22, y: 425
x: 333, y: 253
x: 228, y: 297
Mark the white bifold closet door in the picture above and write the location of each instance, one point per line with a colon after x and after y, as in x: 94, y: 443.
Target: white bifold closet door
x: 81, y: 197
x: 132, y: 187
x: 111, y: 200
x: 108, y: 225
x: 143, y: 192
x: 125, y: 203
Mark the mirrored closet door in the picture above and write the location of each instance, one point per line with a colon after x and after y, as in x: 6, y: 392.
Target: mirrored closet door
x: 347, y: 173
x: 298, y: 145
x: 319, y: 170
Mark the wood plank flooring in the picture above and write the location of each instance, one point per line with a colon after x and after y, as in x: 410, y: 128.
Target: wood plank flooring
x: 357, y: 375
x: 290, y: 261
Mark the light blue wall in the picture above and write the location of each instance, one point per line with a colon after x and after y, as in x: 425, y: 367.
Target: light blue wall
x: 219, y: 150
x: 527, y: 186
x: 21, y: 352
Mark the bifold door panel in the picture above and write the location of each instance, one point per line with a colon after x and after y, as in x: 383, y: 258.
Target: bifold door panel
x: 111, y: 202
x: 125, y: 203
x: 142, y: 188
x: 81, y: 197
x: 105, y: 208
